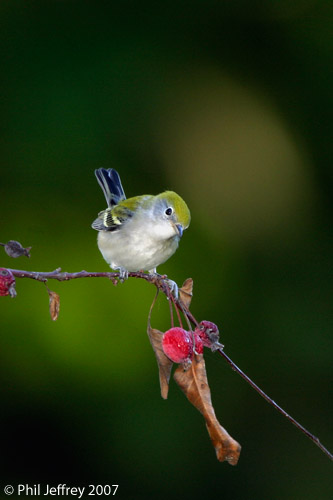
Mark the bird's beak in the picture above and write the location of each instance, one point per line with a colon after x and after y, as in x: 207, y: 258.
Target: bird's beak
x: 180, y: 230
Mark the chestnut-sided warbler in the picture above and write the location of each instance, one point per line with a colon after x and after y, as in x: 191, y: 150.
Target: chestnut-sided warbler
x: 138, y: 233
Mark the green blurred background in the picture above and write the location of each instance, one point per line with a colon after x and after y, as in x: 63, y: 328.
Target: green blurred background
x: 230, y: 105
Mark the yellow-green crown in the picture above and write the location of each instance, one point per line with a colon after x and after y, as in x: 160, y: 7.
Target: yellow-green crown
x: 179, y: 206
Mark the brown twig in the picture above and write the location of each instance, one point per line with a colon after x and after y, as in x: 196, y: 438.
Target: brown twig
x: 161, y: 284
x: 275, y: 405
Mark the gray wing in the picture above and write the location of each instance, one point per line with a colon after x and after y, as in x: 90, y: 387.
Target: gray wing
x: 112, y: 219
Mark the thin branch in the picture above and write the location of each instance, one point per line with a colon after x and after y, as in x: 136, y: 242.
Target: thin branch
x: 161, y: 283
x: 275, y: 405
x: 57, y: 274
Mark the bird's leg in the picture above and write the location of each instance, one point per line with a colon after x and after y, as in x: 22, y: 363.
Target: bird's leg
x: 123, y: 274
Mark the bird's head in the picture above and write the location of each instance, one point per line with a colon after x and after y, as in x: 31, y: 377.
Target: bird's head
x: 173, y: 211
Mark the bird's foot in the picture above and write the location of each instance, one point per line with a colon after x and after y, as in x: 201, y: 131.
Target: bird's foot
x: 123, y: 274
x: 173, y: 287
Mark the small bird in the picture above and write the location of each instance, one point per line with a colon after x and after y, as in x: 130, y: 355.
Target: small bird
x: 139, y: 233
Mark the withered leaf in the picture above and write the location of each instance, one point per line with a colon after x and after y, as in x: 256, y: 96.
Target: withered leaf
x: 15, y: 249
x: 164, y: 363
x: 193, y: 382
x: 54, y: 305
x: 185, y: 292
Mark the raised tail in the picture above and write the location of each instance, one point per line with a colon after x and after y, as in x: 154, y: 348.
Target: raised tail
x: 110, y: 183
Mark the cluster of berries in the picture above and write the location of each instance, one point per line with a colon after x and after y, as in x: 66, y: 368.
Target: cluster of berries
x: 180, y: 345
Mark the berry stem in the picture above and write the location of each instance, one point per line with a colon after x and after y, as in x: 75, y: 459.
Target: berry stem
x: 177, y: 311
x: 171, y: 310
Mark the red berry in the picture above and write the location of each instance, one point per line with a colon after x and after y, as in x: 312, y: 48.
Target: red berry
x: 177, y: 345
x: 208, y: 332
x: 7, y: 283
x: 199, y: 345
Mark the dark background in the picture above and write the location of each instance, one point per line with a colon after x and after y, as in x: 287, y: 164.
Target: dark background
x: 230, y: 105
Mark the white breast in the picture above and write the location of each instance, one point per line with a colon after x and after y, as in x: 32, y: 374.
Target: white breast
x: 138, y: 246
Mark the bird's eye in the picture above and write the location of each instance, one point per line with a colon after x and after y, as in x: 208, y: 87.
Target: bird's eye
x: 168, y: 211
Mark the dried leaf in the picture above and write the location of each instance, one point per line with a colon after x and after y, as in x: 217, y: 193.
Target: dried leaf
x: 185, y: 292
x: 193, y: 382
x: 54, y: 305
x: 15, y: 249
x: 164, y: 363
